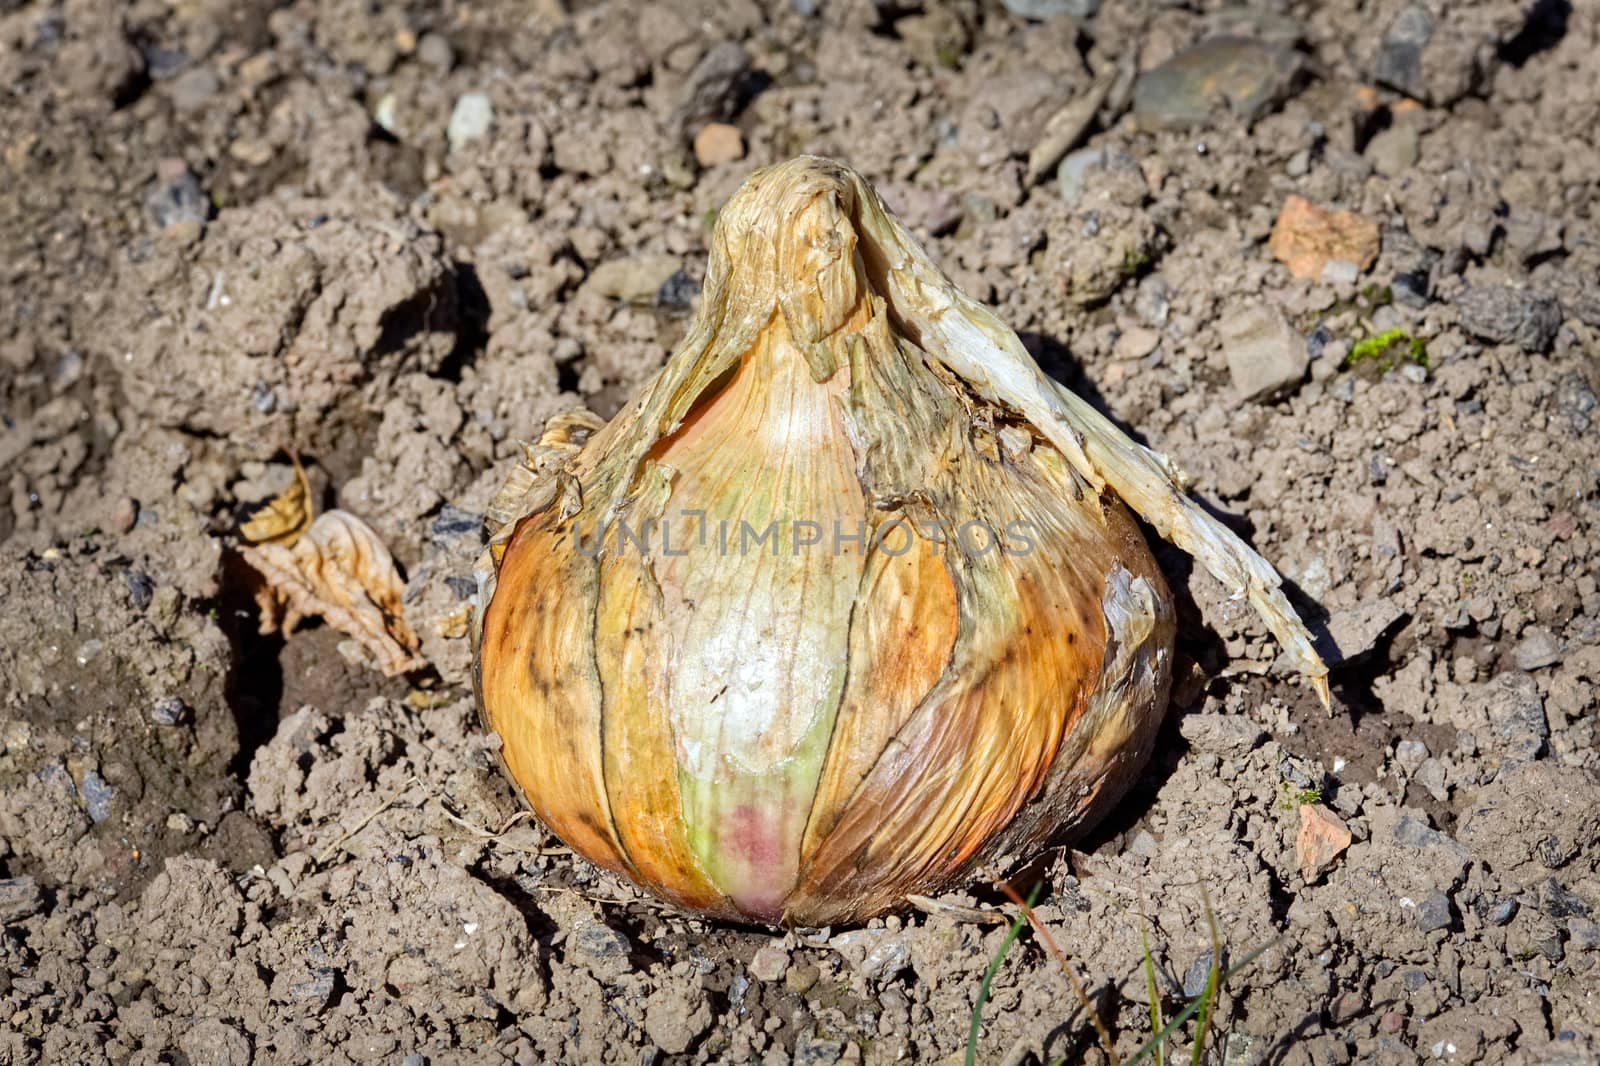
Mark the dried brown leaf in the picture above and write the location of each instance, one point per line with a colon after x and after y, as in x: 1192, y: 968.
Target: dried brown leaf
x: 285, y: 518
x: 341, y: 572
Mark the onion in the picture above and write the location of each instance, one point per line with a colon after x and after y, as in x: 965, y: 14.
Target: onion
x: 848, y: 599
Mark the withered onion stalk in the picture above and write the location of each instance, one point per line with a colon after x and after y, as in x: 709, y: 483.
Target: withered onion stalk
x: 807, y: 728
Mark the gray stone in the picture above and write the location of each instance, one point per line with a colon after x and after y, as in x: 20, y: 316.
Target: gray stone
x: 1437, y: 62
x: 1266, y: 356
x: 1434, y: 912
x: 711, y: 91
x: 811, y: 1051
x: 1576, y: 402
x: 1044, y: 10
x: 1532, y: 234
x: 635, y: 280
x: 1506, y: 315
x: 886, y: 959
x: 1411, y: 288
x: 600, y: 941
x: 1582, y: 934
x: 453, y: 522
x: 1517, y: 723
x: 1399, y: 61
x: 469, y: 120
x: 1577, y: 292
x: 1153, y: 302
x: 769, y: 963
x: 436, y: 52
x: 1244, y: 75
x: 1430, y: 775
x: 1220, y: 732
x: 1441, y: 858
x: 1340, y: 273
x: 1066, y: 128
x: 1194, y: 978
x: 1501, y: 911
x: 1537, y: 649
x: 1355, y: 631
x: 194, y: 89
x: 169, y: 710
x: 19, y: 898
x: 1393, y: 151
x: 176, y: 196
x: 1558, y: 901
x: 318, y: 991
x: 215, y: 1043
x: 1070, y: 174
x: 876, y: 954
x: 1410, y: 754
x: 678, y: 292
x: 97, y: 796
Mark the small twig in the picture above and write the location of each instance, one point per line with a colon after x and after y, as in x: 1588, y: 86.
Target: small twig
x: 938, y: 908
x: 496, y: 835
x: 644, y: 901
x: 1072, y: 977
x: 329, y: 851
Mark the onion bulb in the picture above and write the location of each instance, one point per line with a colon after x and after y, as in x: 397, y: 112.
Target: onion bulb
x: 848, y: 599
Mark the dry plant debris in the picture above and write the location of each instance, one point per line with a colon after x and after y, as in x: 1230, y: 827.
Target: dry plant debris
x: 341, y: 572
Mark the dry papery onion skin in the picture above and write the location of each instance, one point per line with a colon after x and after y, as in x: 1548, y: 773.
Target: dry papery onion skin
x: 807, y: 736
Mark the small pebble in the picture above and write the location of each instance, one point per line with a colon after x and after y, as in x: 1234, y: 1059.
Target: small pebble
x: 1266, y: 357
x: 1433, y: 912
x: 1194, y: 978
x: 141, y: 589
x: 470, y: 120
x: 718, y: 143
x: 1136, y: 343
x: 169, y: 710
x: 194, y: 89
x: 176, y: 197
x: 1410, y: 288
x: 1501, y: 912
x: 678, y: 292
x: 770, y: 963
x: 1508, y: 315
x: 97, y: 796
x: 600, y: 941
x: 126, y: 515
x: 1044, y: 10
x: 435, y: 51
x: 1340, y: 272
x: 1537, y: 649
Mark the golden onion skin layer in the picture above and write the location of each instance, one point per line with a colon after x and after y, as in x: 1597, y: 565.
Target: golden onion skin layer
x: 807, y: 735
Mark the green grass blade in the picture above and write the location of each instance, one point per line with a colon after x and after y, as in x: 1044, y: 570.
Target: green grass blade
x: 988, y: 978
x: 1150, y: 986
x: 1149, y: 1046
x: 1208, y: 999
